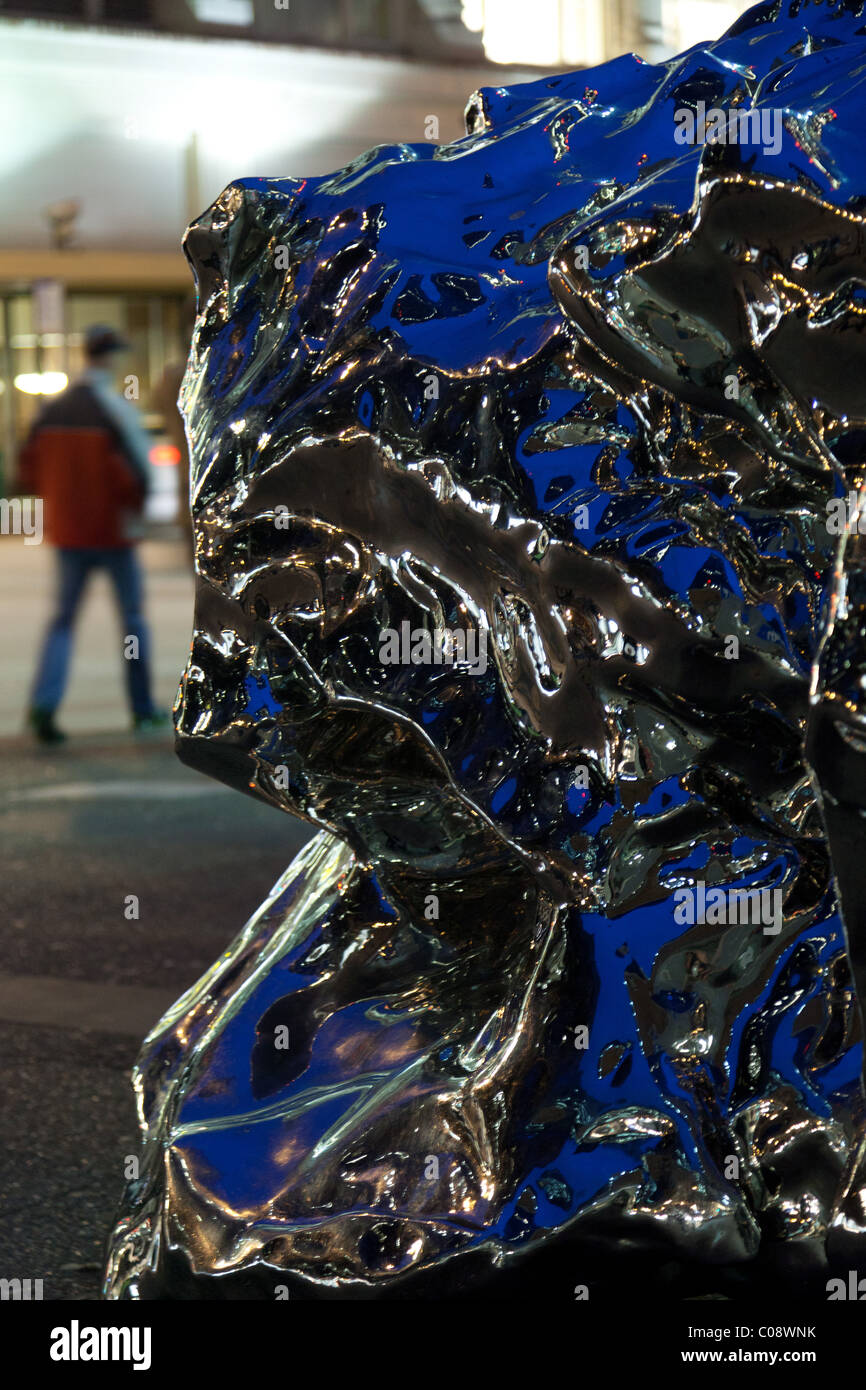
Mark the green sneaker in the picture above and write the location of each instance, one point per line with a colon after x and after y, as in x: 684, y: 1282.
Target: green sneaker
x: 42, y: 723
x: 146, y: 723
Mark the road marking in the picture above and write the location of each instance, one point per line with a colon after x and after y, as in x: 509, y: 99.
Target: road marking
x: 81, y: 1004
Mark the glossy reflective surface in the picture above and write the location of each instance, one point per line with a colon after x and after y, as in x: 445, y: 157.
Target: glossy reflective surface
x: 586, y: 395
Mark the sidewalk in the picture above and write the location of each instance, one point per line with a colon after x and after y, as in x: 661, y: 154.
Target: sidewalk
x: 96, y: 697
x: 84, y: 826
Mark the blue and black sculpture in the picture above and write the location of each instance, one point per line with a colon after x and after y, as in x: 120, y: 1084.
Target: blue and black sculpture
x: 526, y: 478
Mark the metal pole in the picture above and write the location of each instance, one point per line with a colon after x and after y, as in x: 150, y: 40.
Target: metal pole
x: 192, y: 180
x: 6, y: 374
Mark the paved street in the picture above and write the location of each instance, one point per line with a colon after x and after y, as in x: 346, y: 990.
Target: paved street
x: 104, y: 817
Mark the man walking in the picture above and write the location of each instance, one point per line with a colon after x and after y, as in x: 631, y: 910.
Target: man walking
x: 87, y: 458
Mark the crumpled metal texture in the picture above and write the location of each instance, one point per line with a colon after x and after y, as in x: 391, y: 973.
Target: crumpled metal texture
x: 588, y: 393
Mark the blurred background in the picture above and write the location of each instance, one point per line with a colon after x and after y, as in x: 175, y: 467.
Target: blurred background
x: 121, y: 121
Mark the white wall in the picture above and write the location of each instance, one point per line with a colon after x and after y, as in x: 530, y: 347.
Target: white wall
x: 107, y: 118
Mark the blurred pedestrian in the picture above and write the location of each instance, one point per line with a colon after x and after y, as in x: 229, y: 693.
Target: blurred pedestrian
x: 87, y: 458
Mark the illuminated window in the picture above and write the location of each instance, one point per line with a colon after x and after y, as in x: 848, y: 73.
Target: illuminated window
x: 545, y: 33
x: 583, y: 33
x: 687, y: 22
x: 224, y: 11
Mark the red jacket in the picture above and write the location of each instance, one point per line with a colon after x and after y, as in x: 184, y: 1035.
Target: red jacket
x: 76, y: 461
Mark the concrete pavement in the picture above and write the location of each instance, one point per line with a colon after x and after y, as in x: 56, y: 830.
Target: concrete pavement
x: 86, y: 827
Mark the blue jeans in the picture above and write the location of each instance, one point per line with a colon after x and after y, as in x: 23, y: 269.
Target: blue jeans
x: 74, y: 568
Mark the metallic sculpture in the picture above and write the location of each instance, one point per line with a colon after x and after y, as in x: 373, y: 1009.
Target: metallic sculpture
x: 525, y: 479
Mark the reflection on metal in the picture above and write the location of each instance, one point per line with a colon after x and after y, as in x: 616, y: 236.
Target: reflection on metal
x: 565, y: 969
